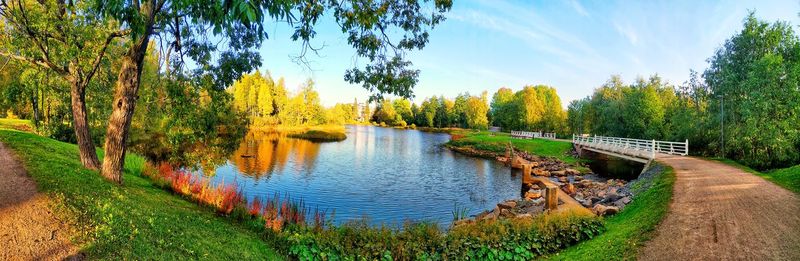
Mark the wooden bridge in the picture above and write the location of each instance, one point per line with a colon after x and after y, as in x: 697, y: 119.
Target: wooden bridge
x: 632, y: 149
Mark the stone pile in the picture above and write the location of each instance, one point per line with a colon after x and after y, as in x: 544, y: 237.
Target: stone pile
x: 518, y: 208
x: 604, y: 198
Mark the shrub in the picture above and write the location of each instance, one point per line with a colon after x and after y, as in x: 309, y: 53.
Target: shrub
x: 511, y: 239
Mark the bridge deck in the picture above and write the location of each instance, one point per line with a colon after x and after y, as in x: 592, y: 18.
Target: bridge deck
x: 632, y: 149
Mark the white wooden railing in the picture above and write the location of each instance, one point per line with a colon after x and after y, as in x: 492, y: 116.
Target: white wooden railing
x: 532, y: 134
x: 633, y: 147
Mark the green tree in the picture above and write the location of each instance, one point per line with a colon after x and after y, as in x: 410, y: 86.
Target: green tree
x: 460, y: 110
x: 428, y: 111
x: 417, y: 113
x: 68, y: 40
x: 385, y: 113
x: 579, y: 116
x: 403, y: 108
x: 757, y: 72
x: 503, y: 112
x: 476, y: 111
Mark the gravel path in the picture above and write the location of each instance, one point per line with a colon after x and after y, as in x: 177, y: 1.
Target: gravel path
x: 719, y: 212
x: 28, y: 228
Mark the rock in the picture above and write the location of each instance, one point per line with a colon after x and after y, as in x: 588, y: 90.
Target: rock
x: 463, y: 222
x: 541, y: 172
x: 490, y: 216
x: 538, y: 201
x: 558, y: 173
x: 507, y: 205
x: 482, y: 215
x: 524, y: 215
x: 602, y: 210
x: 622, y: 202
x: 601, y: 194
x: 506, y: 213
x: 533, y: 195
x: 569, y: 189
x: 578, y: 178
x: 562, y: 179
x: 586, y: 203
x: 572, y: 172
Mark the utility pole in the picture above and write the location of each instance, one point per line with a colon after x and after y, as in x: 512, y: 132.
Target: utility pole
x: 722, y: 123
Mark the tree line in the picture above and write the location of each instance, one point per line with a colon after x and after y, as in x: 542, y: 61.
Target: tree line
x: 533, y: 108
x: 465, y: 111
x: 744, y: 106
x: 266, y: 103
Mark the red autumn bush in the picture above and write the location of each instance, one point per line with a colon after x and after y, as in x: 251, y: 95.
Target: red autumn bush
x: 276, y: 213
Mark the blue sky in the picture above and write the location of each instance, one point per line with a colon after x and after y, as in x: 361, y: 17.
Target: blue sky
x: 573, y: 46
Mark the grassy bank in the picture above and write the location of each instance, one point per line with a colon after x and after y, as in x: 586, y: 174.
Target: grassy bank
x: 498, y: 142
x: 134, y: 221
x: 628, y: 230
x: 313, y: 133
x: 788, y: 178
x: 16, y: 124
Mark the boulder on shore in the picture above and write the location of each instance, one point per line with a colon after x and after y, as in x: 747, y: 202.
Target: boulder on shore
x: 507, y: 205
x: 602, y: 210
x: 569, y: 189
x: 532, y: 195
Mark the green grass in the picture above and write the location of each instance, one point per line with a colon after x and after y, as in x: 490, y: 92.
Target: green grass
x: 134, y: 221
x: 319, y: 135
x: 788, y: 178
x: 497, y: 142
x: 16, y: 124
x: 628, y: 230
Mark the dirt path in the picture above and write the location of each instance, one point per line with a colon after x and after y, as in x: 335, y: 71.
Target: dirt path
x: 719, y: 212
x: 28, y: 229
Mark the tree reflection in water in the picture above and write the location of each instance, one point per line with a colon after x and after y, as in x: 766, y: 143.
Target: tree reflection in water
x: 263, y: 152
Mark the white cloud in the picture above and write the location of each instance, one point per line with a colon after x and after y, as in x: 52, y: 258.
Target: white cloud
x: 538, y: 33
x: 628, y: 32
x: 579, y: 8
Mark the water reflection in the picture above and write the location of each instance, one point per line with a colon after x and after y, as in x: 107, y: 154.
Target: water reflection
x: 262, y: 152
x: 387, y: 174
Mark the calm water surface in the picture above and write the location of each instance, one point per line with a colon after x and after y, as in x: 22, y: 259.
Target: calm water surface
x: 386, y: 174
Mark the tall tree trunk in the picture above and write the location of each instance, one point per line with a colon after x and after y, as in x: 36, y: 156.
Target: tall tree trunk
x: 125, y: 95
x: 34, y: 105
x: 80, y: 123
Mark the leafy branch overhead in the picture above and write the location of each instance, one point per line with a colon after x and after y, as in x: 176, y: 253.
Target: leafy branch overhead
x: 380, y: 31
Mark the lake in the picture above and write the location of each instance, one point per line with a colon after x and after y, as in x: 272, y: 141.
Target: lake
x: 388, y: 175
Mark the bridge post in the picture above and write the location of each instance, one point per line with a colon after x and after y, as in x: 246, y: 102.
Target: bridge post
x: 653, y: 153
x: 686, y: 149
x: 551, y: 197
